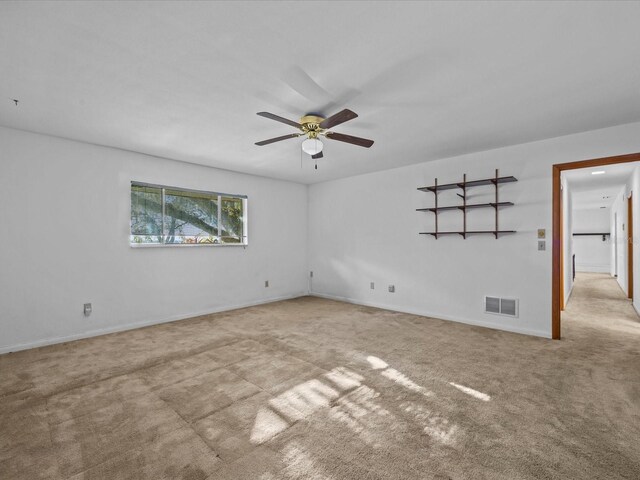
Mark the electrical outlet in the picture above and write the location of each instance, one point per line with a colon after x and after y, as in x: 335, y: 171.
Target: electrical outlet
x: 542, y: 245
x: 266, y: 283
x: 87, y: 309
x: 392, y: 288
x: 373, y: 286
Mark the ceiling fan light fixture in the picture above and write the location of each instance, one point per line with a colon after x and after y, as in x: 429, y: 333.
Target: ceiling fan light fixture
x: 312, y: 146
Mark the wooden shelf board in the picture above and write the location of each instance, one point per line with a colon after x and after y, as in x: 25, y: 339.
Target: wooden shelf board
x: 467, y: 207
x: 491, y: 204
x: 440, y: 233
x: 469, y: 232
x: 470, y: 183
x: 490, y: 231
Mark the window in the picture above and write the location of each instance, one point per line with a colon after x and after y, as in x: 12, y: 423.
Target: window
x: 163, y: 215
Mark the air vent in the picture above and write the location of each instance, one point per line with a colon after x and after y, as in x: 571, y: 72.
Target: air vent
x: 491, y: 304
x: 501, y: 306
x: 509, y: 306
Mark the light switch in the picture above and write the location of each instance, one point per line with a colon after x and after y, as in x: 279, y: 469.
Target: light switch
x: 541, y: 245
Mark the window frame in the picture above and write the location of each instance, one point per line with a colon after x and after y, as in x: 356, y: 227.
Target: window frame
x: 244, y: 237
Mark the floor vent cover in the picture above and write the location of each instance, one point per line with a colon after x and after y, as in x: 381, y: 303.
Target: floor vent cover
x: 501, y: 306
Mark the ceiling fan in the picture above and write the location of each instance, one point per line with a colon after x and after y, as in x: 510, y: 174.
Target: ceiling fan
x: 312, y: 126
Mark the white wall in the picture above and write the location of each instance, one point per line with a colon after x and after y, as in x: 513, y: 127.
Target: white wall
x: 634, y: 188
x: 65, y: 218
x: 619, y: 208
x: 614, y: 241
x: 365, y: 229
x: 592, y: 253
x: 567, y: 238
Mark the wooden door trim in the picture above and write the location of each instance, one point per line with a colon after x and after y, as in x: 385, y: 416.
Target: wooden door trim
x: 556, y: 226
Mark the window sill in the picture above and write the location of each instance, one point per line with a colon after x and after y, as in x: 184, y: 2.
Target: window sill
x: 180, y: 245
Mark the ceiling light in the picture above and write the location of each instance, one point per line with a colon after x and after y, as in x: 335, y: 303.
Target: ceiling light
x: 312, y: 146
x: 599, y: 172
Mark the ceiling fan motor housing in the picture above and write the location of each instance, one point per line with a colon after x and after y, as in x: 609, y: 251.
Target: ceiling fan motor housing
x: 311, y: 125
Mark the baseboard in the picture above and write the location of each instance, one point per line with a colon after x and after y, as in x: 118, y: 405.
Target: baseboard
x: 133, y: 326
x: 438, y: 316
x: 566, y: 300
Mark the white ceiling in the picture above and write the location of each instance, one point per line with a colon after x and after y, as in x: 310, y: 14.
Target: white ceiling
x: 429, y: 80
x: 594, y: 191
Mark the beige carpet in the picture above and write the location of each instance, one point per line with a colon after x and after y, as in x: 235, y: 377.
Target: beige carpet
x: 316, y: 389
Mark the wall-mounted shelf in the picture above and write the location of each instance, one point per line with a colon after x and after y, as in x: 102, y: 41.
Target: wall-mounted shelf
x: 435, y: 189
x: 468, y: 232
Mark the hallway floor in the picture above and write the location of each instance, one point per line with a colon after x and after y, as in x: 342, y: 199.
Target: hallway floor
x: 598, y: 306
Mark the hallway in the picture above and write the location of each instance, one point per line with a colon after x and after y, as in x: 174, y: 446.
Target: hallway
x: 598, y: 309
x: 601, y: 356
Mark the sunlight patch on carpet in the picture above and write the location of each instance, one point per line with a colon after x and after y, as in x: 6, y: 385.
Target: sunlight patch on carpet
x: 358, y: 412
x: 396, y: 376
x: 404, y: 381
x: 376, y: 363
x: 344, y: 378
x: 301, y: 401
x: 470, y: 391
x: 307, y: 397
x: 437, y: 427
x: 267, y: 425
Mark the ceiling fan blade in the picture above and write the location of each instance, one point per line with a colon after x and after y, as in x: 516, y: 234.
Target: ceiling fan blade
x: 340, y: 117
x: 300, y: 81
x: 278, y: 139
x: 361, y: 142
x: 279, y: 119
x: 317, y: 155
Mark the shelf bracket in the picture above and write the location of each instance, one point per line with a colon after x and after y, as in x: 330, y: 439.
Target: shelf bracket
x: 464, y: 206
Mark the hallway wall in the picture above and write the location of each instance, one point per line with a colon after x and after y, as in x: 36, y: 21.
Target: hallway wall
x: 619, y: 243
x: 567, y: 238
x: 618, y: 247
x: 592, y: 253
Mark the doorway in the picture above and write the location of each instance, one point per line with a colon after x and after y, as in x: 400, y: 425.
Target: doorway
x: 557, y: 247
